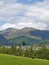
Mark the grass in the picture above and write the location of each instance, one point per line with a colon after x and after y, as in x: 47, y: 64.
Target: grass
x: 17, y: 60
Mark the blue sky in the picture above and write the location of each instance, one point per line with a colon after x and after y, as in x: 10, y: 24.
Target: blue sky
x: 23, y: 1
x: 29, y: 1
x: 24, y: 13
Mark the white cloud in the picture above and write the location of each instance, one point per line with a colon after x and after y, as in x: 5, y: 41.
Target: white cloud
x: 7, y: 25
x: 11, y: 9
x: 1, y: 3
x: 22, y: 25
x: 31, y: 24
x: 18, y: 15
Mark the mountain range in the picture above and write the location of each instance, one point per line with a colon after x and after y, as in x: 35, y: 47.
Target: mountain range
x: 27, y: 35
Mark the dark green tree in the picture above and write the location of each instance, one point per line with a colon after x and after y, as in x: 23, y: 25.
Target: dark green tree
x: 24, y: 43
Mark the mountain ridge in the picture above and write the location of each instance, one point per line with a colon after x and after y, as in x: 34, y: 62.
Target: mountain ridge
x: 29, y: 35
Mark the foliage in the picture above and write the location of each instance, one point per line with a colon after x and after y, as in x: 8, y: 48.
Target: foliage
x: 42, y: 53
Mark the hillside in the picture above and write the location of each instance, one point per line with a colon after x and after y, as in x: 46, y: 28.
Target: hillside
x: 44, y: 34
x: 27, y: 40
x: 29, y: 35
x: 9, y: 33
x: 12, y: 32
x: 14, y: 60
x: 3, y: 41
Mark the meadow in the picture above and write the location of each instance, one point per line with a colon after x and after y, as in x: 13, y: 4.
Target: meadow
x: 18, y: 60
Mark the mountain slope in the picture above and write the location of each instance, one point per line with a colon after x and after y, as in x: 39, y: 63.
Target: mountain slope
x: 29, y: 35
x: 3, y: 41
x: 27, y: 40
x: 43, y: 34
x: 9, y: 33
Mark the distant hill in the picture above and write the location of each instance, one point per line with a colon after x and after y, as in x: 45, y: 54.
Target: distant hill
x: 43, y: 34
x: 27, y: 29
x: 29, y: 35
x: 3, y: 41
x: 8, y: 33
x: 27, y: 40
x: 12, y: 32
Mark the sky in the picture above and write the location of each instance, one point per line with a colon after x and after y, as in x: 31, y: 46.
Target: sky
x: 24, y: 13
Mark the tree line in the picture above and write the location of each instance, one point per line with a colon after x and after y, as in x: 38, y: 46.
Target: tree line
x: 41, y: 53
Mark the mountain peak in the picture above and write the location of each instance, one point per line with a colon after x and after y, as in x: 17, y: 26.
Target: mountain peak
x: 11, y: 29
x: 27, y: 29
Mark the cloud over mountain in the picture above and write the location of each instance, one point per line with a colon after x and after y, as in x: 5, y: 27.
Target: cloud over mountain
x: 24, y: 13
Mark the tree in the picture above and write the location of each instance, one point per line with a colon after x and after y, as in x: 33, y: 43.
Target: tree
x: 42, y: 53
x: 26, y: 54
x: 12, y: 50
x: 24, y: 43
x: 29, y: 52
x: 19, y: 51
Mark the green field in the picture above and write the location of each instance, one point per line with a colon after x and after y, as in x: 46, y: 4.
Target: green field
x: 16, y: 60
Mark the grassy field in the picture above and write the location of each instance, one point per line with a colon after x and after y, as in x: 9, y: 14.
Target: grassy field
x: 14, y: 60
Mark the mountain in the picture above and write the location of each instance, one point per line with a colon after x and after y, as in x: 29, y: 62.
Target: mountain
x: 8, y: 33
x: 43, y: 34
x: 12, y: 33
x: 27, y: 29
x: 3, y: 41
x: 21, y: 39
x: 29, y: 35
